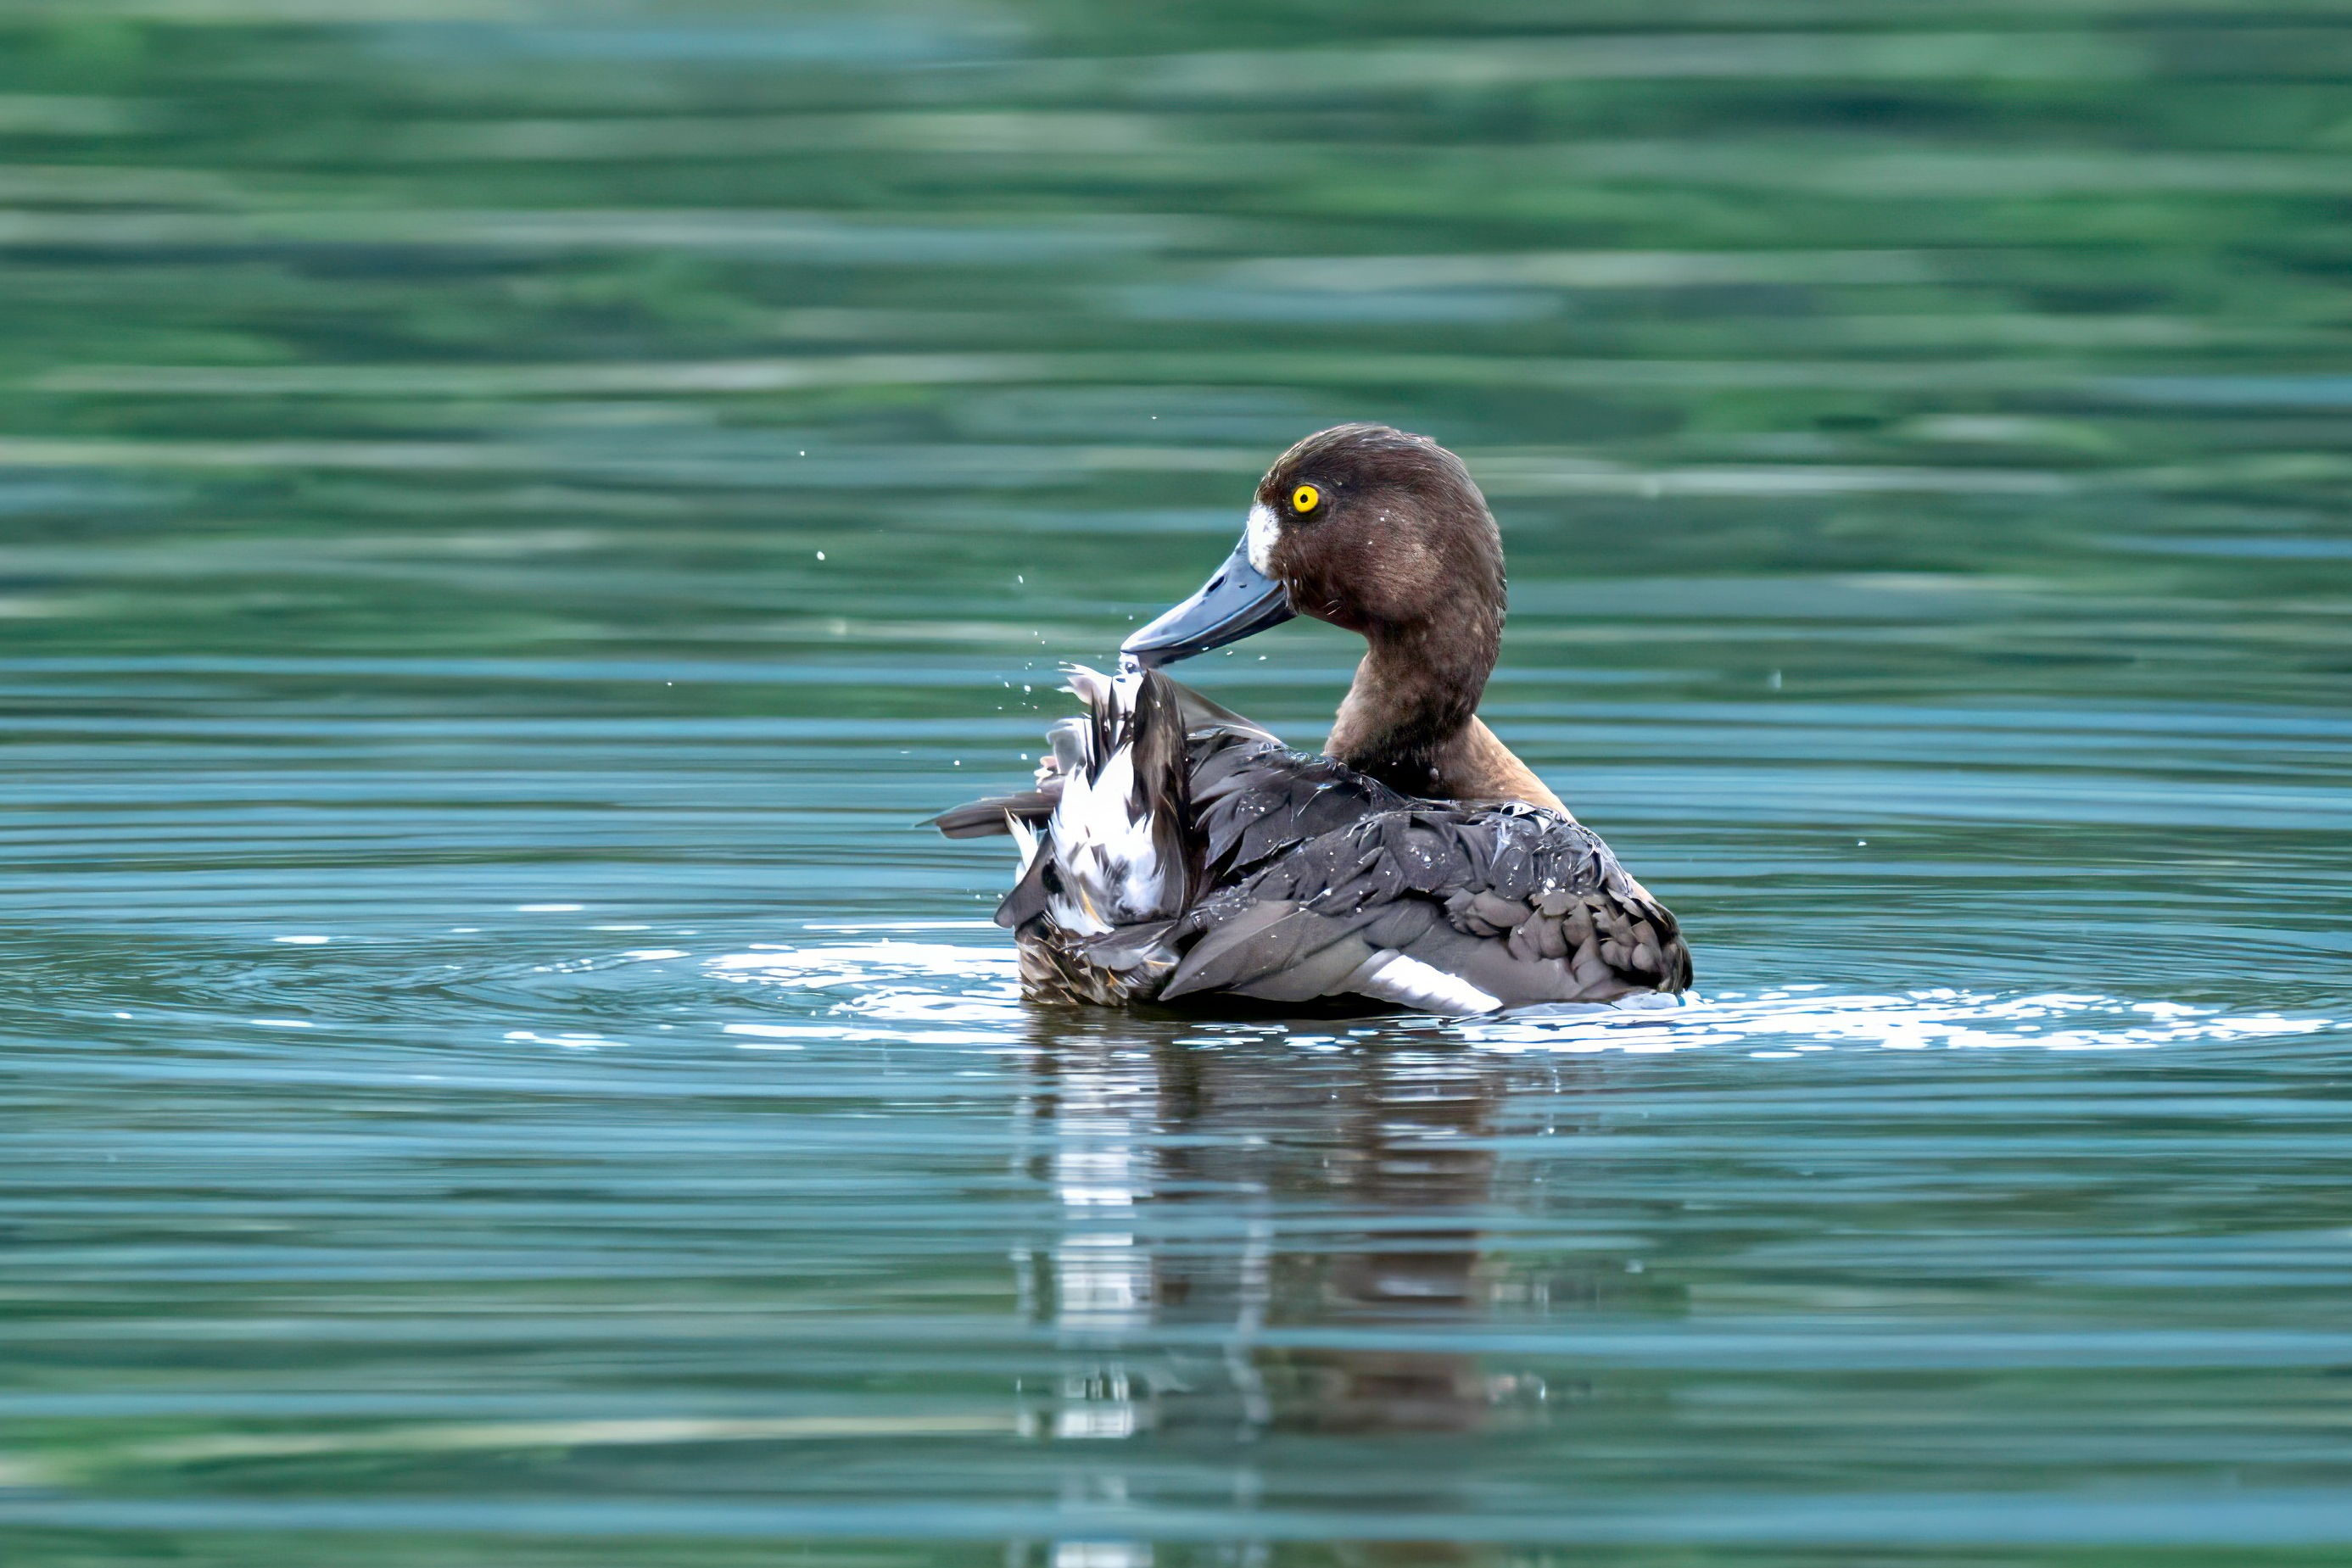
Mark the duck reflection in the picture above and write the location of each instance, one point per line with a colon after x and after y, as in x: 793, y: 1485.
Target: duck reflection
x: 1256, y: 1204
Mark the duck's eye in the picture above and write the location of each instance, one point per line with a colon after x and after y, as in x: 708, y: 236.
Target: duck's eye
x: 1304, y: 498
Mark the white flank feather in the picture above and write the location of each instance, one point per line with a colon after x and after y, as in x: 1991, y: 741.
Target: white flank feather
x: 1025, y: 836
x: 1390, y: 975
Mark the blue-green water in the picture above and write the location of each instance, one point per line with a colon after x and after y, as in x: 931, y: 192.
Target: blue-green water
x: 510, y: 512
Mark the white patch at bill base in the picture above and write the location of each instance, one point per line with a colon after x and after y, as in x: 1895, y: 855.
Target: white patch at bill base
x: 1262, y: 530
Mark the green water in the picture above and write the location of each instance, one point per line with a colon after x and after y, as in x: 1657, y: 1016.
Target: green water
x: 510, y: 512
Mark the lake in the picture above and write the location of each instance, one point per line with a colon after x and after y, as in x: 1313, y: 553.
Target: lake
x: 511, y: 514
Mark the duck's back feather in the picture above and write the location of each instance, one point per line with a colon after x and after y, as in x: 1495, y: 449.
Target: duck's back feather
x: 1184, y: 852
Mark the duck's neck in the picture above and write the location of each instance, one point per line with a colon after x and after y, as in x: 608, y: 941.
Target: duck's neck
x: 1411, y: 720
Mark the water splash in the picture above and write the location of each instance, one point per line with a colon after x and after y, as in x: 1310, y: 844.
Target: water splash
x: 926, y: 987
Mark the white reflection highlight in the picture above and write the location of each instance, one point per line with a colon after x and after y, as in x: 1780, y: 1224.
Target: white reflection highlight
x: 1102, y: 1554
x: 1102, y: 1116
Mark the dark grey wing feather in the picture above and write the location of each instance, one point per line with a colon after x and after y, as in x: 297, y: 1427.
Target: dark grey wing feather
x: 1254, y: 800
x: 1201, y: 716
x: 1262, y: 942
x: 978, y: 818
x: 1523, y: 904
x: 1163, y: 785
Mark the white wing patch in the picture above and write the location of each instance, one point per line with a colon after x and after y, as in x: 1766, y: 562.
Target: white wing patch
x: 1390, y: 975
x: 1101, y: 843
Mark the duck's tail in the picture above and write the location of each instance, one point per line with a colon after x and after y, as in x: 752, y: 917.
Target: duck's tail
x: 1104, y: 835
x: 1111, y: 855
x: 1114, y: 852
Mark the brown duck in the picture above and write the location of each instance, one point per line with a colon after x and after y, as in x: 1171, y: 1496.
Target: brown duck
x: 1176, y: 852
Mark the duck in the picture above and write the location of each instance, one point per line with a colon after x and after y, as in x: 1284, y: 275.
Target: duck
x: 1176, y: 855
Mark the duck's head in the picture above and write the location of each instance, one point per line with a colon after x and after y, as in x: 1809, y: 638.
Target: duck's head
x: 1363, y: 527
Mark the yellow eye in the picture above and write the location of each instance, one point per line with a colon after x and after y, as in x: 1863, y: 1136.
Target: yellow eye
x: 1304, y: 499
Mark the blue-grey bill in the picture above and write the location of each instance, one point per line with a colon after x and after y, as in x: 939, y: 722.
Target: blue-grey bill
x: 1235, y: 602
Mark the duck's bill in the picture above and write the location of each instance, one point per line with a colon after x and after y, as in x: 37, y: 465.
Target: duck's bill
x: 1237, y: 601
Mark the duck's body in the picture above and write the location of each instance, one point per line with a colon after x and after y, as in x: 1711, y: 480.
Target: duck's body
x: 1176, y: 851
